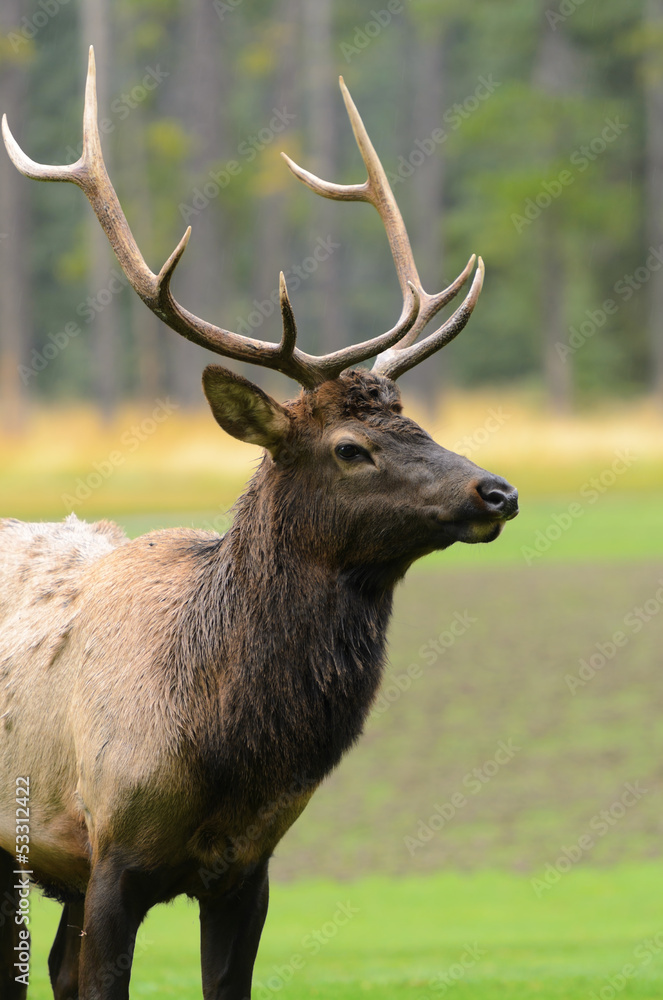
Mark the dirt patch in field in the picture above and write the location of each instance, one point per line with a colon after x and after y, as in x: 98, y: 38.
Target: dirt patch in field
x: 492, y: 745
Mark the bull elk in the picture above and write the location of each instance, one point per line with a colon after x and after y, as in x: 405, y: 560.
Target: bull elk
x: 175, y: 700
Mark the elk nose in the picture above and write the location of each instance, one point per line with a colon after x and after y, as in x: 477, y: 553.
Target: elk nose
x: 499, y: 496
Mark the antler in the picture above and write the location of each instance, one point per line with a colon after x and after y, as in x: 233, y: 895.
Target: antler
x: 405, y: 353
x: 89, y: 173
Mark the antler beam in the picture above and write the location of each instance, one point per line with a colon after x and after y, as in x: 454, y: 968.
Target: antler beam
x: 397, y: 349
x: 377, y: 191
x: 89, y: 173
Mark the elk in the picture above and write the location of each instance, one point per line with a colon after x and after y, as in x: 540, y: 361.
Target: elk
x: 174, y: 700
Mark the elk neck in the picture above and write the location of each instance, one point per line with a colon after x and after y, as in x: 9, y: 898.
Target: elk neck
x: 298, y: 645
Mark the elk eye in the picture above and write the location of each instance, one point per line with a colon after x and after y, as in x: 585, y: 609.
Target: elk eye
x: 349, y: 451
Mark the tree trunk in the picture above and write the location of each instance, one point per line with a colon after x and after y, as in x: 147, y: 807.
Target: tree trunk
x: 322, y: 102
x: 204, y: 277
x: 95, y: 30
x: 653, y: 79
x: 553, y: 281
x: 271, y: 247
x: 554, y: 74
x: 427, y: 189
x: 14, y: 262
x: 147, y: 331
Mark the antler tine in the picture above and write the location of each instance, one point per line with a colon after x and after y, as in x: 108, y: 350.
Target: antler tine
x: 393, y: 363
x: 377, y: 191
x: 289, y: 338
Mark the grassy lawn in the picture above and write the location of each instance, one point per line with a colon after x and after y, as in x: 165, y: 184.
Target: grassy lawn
x: 487, y: 933
x: 466, y: 892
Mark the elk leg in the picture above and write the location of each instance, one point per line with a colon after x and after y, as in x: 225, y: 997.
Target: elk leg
x: 114, y: 909
x: 230, y: 929
x: 10, y: 989
x: 65, y: 953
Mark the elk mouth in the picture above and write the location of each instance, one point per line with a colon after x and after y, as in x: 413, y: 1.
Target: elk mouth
x: 477, y: 527
x: 473, y: 532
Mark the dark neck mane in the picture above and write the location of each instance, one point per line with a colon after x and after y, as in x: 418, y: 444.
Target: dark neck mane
x: 297, y: 650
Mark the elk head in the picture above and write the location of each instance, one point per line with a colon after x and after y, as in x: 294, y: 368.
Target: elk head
x: 385, y: 483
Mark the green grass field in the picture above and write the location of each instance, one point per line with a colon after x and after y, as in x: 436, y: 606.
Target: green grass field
x: 484, y: 935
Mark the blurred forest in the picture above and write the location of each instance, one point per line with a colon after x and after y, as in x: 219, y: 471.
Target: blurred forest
x: 530, y: 132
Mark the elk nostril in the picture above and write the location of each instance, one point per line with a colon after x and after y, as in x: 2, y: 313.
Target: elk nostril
x: 491, y: 493
x: 499, y: 495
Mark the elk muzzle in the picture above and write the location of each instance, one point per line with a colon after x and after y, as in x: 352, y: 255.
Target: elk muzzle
x: 488, y: 503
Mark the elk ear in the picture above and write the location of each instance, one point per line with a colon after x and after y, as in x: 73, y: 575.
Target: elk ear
x: 243, y: 409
